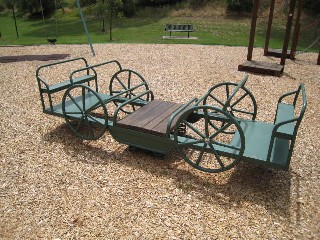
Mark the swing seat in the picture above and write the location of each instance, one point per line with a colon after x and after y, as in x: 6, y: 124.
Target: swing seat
x: 52, y: 40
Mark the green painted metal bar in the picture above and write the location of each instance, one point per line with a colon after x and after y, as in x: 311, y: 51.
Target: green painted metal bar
x: 174, y: 115
x: 85, y: 27
x: 115, y: 115
x: 240, y: 85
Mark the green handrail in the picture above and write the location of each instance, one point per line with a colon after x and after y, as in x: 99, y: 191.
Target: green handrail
x: 295, y: 119
x: 129, y: 101
x: 240, y: 85
x: 175, y: 114
x: 94, y: 66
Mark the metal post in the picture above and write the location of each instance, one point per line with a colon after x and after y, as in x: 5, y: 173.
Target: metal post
x: 85, y: 27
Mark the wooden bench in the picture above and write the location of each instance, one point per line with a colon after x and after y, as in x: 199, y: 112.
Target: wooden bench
x: 272, y: 143
x: 179, y: 28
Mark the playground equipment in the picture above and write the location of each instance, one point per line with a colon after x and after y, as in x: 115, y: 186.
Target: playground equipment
x: 212, y: 133
x: 51, y: 39
x: 273, y: 69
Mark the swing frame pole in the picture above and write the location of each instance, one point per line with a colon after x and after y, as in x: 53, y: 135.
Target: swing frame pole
x: 85, y: 27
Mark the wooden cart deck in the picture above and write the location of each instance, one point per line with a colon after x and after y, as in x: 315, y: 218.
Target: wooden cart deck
x: 151, y: 118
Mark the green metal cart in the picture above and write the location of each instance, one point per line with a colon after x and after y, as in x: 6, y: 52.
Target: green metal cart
x: 212, y: 133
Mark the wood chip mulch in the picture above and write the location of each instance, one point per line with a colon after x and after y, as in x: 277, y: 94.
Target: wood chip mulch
x: 55, y: 186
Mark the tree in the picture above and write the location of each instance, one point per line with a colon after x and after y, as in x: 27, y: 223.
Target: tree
x: 239, y: 6
x: 312, y: 6
x: 10, y: 4
x: 34, y: 6
x: 107, y: 10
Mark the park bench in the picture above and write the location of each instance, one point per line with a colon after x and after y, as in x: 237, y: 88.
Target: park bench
x: 179, y: 28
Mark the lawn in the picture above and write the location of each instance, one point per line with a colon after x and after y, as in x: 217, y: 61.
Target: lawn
x: 209, y: 31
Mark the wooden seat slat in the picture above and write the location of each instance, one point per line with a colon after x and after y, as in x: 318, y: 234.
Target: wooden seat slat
x: 151, y: 118
x: 160, y: 123
x: 138, y: 115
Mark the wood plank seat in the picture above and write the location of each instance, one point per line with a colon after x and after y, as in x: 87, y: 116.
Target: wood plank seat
x: 272, y: 69
x: 277, y: 53
x: 151, y: 118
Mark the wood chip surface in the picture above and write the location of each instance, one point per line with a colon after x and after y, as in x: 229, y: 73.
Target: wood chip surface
x: 54, y: 185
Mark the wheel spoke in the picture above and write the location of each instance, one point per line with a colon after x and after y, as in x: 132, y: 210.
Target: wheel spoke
x: 213, y: 125
x: 220, y: 130
x: 92, y: 118
x: 227, y: 90
x: 206, y: 122
x: 194, y: 129
x: 129, y: 80
x: 74, y: 101
x: 238, y: 100
x: 217, y: 156
x: 79, y: 124
x: 201, y: 154
x: 216, y: 99
x: 90, y: 126
x: 121, y: 83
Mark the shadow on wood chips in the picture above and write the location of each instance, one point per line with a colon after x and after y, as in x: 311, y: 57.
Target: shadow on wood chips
x: 245, y: 183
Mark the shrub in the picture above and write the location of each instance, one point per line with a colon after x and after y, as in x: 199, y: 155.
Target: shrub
x: 312, y: 6
x: 239, y: 6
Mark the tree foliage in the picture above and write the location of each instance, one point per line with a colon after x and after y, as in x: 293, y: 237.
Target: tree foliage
x: 239, y: 6
x: 312, y: 6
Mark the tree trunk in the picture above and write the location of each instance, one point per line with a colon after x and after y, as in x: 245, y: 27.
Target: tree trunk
x: 15, y: 21
x: 110, y: 22
x: 103, y: 26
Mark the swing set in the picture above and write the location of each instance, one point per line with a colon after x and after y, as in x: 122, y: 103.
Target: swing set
x: 275, y: 69
x: 52, y: 39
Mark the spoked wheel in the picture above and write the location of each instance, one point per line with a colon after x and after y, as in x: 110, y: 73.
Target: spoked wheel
x: 206, y: 145
x: 122, y: 81
x: 84, y: 111
x: 243, y: 104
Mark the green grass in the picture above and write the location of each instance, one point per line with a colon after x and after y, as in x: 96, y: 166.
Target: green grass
x: 222, y: 31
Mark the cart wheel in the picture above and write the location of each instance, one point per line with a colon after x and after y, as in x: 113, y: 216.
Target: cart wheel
x: 124, y: 80
x: 84, y: 111
x: 207, y: 146
x: 243, y: 105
